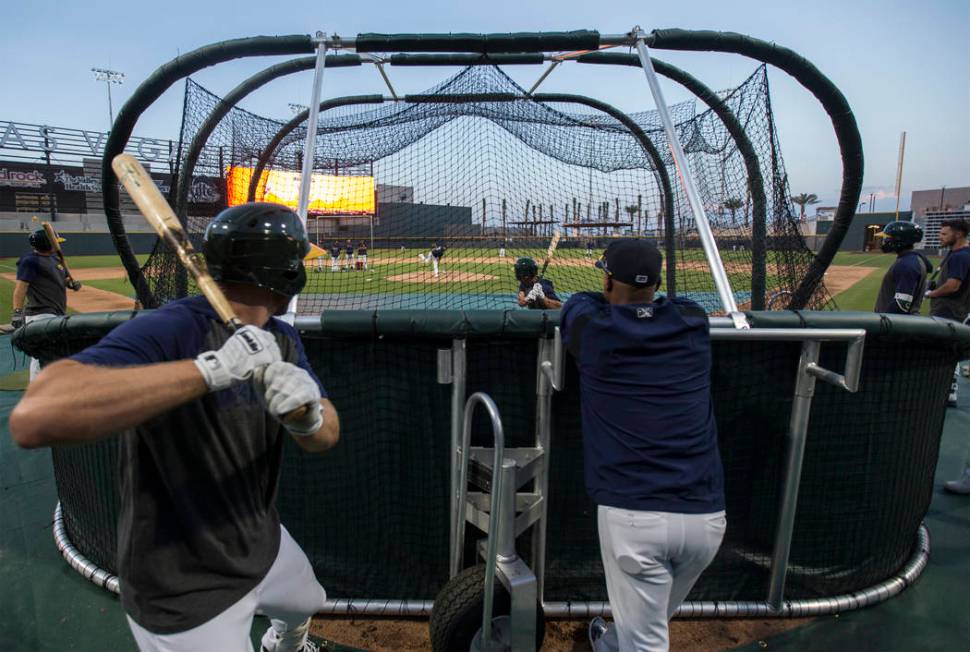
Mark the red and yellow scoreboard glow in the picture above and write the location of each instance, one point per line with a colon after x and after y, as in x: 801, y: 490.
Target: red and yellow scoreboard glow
x: 329, y: 195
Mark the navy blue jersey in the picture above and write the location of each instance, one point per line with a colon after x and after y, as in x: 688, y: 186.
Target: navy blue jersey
x: 954, y: 306
x: 362, y: 250
x: 335, y: 251
x: 438, y: 251
x: 903, y: 285
x: 649, y: 436
x: 198, y: 526
x: 46, y: 280
x: 547, y: 288
x: 350, y: 250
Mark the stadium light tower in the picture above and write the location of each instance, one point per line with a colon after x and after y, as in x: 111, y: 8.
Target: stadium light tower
x: 109, y: 77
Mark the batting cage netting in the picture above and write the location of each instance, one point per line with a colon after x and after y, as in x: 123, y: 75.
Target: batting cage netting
x: 372, y: 514
x: 486, y: 173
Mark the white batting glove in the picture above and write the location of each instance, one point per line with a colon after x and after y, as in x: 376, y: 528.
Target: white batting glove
x: 537, y: 292
x: 286, y: 388
x: 248, y: 349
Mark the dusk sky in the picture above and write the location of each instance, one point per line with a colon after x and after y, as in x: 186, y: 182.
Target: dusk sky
x: 901, y: 65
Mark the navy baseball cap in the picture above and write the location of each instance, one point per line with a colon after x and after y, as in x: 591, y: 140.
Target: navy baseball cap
x: 632, y: 261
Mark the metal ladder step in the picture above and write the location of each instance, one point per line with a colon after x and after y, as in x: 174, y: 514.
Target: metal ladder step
x: 528, y: 510
x: 528, y: 462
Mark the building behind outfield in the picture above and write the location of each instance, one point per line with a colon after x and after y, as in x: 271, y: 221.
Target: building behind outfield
x: 931, y: 207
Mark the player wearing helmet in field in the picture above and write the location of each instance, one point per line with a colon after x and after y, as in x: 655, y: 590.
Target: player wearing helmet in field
x: 534, y: 292
x: 905, y: 281
x: 39, y: 292
x: 200, y: 409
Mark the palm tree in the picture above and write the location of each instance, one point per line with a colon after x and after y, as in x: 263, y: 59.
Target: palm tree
x: 733, y: 204
x: 804, y: 200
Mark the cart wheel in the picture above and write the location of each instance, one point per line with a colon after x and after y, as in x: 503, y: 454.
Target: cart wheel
x: 456, y: 618
x: 779, y: 300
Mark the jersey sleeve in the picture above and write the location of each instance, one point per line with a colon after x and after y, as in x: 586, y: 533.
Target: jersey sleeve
x: 304, y: 364
x: 164, y: 336
x: 907, y: 276
x: 27, y: 269
x: 550, y: 291
x: 958, y: 267
x: 575, y: 314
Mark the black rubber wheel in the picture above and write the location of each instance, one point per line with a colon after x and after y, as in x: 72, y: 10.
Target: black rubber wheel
x: 457, y: 613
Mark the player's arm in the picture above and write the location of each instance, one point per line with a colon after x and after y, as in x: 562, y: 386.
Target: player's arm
x: 907, y: 282
x: 950, y: 286
x: 71, y: 402
x: 327, y: 435
x: 521, y: 298
x: 20, y: 294
x: 956, y: 270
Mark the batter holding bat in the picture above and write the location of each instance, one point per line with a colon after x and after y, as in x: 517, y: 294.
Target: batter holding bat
x: 535, y: 291
x: 203, y: 393
x: 42, y: 277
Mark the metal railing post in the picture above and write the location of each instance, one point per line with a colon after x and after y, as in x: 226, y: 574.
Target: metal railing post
x: 458, y: 478
x: 794, y: 455
x: 721, y: 280
x: 549, y: 374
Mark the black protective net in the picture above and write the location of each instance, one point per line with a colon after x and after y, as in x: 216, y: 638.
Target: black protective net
x: 372, y: 514
x: 492, y: 181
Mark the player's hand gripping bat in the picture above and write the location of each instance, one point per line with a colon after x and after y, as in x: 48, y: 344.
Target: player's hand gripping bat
x: 55, y: 241
x: 159, y: 214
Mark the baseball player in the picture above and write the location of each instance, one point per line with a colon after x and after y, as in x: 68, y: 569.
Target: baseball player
x: 905, y: 281
x: 362, y: 255
x: 434, y: 256
x: 950, y: 299
x: 335, y: 257
x: 533, y: 292
x: 349, y: 255
x: 589, y: 248
x: 501, y: 249
x: 652, y: 464
x: 39, y: 292
x: 201, y: 410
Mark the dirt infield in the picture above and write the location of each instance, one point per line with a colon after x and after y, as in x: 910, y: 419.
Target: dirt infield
x: 839, y: 278
x: 445, y: 276
x: 411, y: 635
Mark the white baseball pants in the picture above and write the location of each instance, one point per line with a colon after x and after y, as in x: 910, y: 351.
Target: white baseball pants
x: 651, y: 561
x: 289, y: 595
x: 34, y: 362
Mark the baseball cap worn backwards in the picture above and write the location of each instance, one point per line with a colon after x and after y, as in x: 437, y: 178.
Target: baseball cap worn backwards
x: 632, y: 261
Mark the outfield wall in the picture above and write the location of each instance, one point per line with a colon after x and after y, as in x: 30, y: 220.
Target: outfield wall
x: 78, y: 244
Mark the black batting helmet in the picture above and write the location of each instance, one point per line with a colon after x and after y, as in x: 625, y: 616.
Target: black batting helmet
x: 258, y: 244
x: 525, y: 267
x: 897, y: 236
x: 39, y: 240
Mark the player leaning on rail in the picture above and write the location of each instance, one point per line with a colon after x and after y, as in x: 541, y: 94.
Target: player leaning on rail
x: 201, y: 411
x: 650, y: 442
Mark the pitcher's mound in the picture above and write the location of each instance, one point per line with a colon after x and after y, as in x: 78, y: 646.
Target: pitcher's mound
x: 443, y: 277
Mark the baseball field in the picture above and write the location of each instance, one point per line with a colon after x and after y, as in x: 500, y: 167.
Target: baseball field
x: 485, y: 280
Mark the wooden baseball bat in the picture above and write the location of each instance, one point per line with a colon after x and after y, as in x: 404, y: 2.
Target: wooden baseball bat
x: 549, y: 253
x: 56, y: 246
x: 159, y: 214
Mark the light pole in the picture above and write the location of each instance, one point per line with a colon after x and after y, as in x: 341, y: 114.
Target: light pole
x: 109, y: 77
